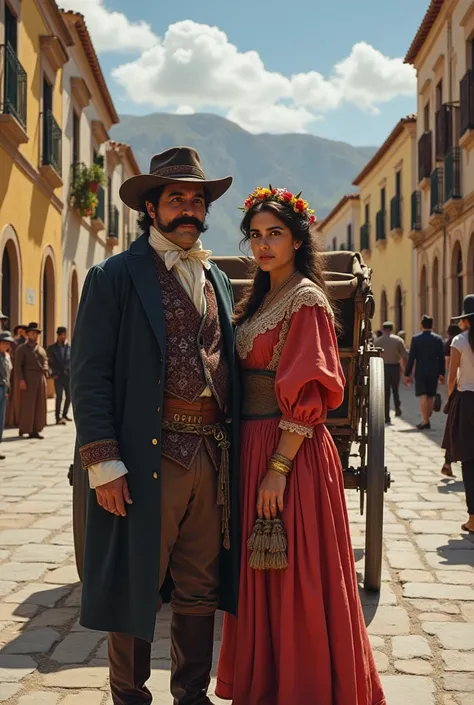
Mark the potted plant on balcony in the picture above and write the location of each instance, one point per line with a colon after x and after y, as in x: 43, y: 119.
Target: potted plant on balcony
x: 97, y: 178
x: 82, y: 197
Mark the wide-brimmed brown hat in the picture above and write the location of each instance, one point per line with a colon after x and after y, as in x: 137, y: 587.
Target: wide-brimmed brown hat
x: 33, y: 328
x: 176, y: 164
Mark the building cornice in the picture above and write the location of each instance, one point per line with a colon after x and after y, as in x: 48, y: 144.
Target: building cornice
x: 336, y: 210
x: 382, y: 151
x: 424, y: 29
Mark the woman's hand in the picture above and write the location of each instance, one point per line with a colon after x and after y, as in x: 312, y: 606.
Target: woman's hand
x: 270, y: 495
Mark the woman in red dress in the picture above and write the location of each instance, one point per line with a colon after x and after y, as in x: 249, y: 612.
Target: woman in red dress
x: 300, y: 637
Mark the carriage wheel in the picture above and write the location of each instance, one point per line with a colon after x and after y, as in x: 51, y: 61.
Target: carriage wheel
x: 79, y: 508
x: 375, y: 476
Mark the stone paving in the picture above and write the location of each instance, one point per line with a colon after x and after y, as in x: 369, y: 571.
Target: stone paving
x: 421, y: 625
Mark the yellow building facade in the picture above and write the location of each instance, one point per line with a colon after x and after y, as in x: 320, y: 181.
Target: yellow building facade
x: 34, y: 41
x: 442, y: 52
x: 385, y: 187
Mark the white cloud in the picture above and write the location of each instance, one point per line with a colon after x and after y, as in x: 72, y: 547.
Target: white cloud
x: 194, y: 67
x: 110, y: 30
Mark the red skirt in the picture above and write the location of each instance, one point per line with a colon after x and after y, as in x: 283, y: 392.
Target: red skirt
x: 300, y: 636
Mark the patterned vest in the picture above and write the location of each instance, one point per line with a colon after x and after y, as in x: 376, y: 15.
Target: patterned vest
x: 195, y: 356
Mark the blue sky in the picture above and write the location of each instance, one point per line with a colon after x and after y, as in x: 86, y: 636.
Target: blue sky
x: 174, y: 66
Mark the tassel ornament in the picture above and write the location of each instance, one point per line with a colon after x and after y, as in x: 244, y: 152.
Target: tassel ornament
x: 268, y: 545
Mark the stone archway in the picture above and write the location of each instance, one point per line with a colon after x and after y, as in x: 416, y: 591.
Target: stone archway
x: 435, y: 294
x: 73, y: 301
x: 399, y: 317
x: 457, y: 283
x: 423, y: 295
x: 10, y: 261
x: 48, y: 298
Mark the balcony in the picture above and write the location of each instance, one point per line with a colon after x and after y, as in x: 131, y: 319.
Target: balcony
x: 98, y: 221
x: 13, y: 96
x: 365, y: 237
x: 113, y: 229
x: 425, y: 158
x: 380, y: 231
x: 452, y: 182
x: 415, y: 233
x: 51, y: 167
x: 467, y: 111
x: 436, y: 196
x: 445, y: 129
x: 396, y: 215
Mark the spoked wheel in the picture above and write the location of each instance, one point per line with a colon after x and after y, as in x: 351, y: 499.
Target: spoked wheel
x: 375, y: 475
x: 80, y: 487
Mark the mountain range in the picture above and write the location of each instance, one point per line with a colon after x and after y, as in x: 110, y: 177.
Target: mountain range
x: 323, y: 169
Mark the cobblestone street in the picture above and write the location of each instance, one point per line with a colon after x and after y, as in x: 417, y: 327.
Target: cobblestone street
x: 421, y: 624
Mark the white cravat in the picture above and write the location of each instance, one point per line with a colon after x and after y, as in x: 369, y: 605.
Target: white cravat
x: 188, y: 265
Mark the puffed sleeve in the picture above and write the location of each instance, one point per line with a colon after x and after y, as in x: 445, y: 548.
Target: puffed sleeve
x: 309, y: 376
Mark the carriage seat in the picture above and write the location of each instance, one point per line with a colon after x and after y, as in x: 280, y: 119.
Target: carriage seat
x: 344, y: 273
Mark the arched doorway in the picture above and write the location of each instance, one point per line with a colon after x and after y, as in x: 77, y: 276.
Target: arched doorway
x: 383, y: 308
x: 48, y: 296
x: 74, y: 302
x: 10, y: 277
x: 423, y: 292
x: 399, y: 317
x: 457, y: 271
x: 435, y: 289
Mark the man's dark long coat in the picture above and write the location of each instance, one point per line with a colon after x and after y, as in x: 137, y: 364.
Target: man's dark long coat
x: 117, y: 381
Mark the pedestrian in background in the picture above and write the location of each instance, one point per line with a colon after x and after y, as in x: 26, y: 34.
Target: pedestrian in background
x: 394, y: 355
x: 59, y: 358
x: 31, y: 371
x: 453, y: 331
x: 459, y: 435
x: 5, y: 378
x: 427, y: 359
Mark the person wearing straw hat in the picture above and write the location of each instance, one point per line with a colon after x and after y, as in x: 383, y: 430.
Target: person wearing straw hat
x: 459, y: 434
x: 6, y: 367
x: 153, y: 399
x: 31, y: 370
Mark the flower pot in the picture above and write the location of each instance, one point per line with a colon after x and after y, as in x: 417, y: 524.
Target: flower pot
x: 94, y: 186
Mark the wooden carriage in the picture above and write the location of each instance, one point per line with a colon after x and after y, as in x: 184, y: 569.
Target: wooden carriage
x: 357, y: 426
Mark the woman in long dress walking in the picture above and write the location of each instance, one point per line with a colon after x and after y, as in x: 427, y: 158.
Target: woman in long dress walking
x: 300, y: 637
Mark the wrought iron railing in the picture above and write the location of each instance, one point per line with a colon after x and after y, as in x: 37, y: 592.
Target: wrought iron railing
x: 416, y: 210
x: 113, y: 229
x: 437, y: 199
x: 52, y: 143
x: 380, y: 233
x: 365, y: 237
x: 396, y: 213
x: 452, y: 174
x: 467, y: 101
x: 425, y: 155
x: 100, y: 210
x: 14, y: 88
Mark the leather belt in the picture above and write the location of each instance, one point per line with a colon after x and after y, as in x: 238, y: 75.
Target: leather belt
x: 202, y: 412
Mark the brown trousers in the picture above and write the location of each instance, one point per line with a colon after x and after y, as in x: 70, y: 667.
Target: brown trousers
x: 190, y: 545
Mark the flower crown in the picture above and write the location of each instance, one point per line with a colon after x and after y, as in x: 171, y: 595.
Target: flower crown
x: 280, y: 195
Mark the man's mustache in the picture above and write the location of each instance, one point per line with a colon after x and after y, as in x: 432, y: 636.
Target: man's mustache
x: 184, y: 220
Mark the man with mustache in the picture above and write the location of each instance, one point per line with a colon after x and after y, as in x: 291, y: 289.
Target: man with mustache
x: 153, y: 385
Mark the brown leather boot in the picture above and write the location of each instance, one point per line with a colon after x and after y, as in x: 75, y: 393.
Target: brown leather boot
x: 130, y: 668
x: 192, y: 641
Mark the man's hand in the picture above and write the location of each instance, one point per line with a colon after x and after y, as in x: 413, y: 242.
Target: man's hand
x: 114, y: 495
x: 408, y: 381
x: 442, y: 379
x: 22, y: 385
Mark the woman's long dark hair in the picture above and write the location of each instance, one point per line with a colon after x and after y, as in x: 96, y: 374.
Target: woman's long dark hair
x: 470, y: 335
x: 308, y: 259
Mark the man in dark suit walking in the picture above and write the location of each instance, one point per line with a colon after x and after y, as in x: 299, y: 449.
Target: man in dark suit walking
x: 59, y: 357
x: 427, y: 357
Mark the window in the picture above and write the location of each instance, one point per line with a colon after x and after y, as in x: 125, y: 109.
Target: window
x: 334, y: 244
x: 439, y: 94
x: 76, y: 134
x: 470, y: 54
x: 399, y: 309
x: 382, y: 199
x: 349, y: 237
x: 367, y: 213
x: 11, y: 29
x: 383, y: 308
x: 47, y: 110
x: 398, y: 183
x: 426, y: 117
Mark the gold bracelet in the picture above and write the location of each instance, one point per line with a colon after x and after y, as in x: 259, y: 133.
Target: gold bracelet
x: 282, y: 459
x: 279, y: 467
